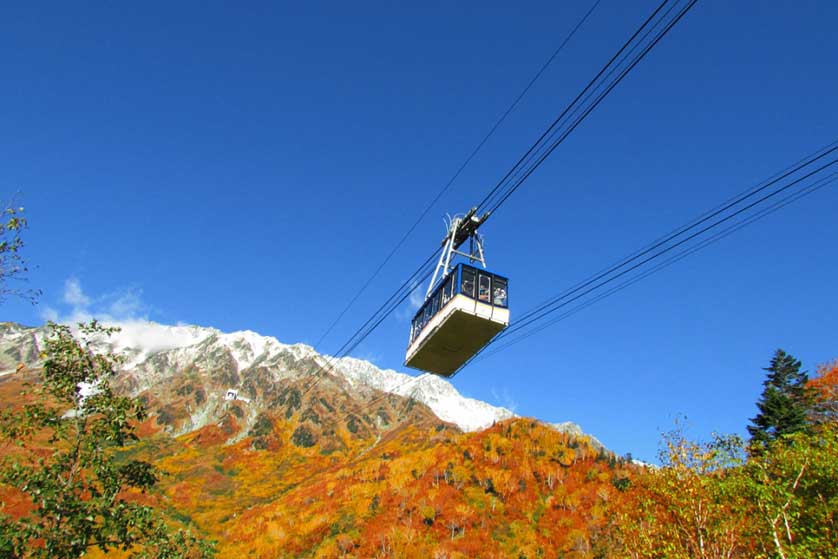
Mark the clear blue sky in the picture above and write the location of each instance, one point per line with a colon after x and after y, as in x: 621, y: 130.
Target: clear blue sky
x: 247, y: 167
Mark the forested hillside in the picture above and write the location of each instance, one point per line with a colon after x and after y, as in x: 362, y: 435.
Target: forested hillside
x: 303, y: 480
x: 319, y: 472
x: 518, y: 488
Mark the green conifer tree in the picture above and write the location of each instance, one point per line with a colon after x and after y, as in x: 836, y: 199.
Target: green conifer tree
x: 783, y: 405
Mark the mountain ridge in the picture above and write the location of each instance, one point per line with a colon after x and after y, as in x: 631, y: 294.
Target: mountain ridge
x: 155, y: 352
x: 257, y: 456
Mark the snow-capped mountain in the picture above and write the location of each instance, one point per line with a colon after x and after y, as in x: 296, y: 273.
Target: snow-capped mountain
x: 159, y: 350
x: 239, y: 361
x: 436, y: 393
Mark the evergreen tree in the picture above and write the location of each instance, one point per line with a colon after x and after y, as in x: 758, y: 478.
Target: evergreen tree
x: 784, y: 405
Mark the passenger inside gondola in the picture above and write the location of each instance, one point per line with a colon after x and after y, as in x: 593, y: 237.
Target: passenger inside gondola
x: 454, y: 321
x: 468, y: 282
x: 484, y: 288
x: 499, y: 297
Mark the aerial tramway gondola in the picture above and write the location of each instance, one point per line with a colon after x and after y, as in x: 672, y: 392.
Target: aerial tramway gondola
x: 462, y: 311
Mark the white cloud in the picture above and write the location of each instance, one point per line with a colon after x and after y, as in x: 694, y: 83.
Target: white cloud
x: 414, y: 301
x: 127, y: 304
x: 504, y: 398
x: 123, y: 305
x: 153, y: 337
x: 125, y: 309
x: 49, y: 314
x: 73, y: 293
x: 416, y: 298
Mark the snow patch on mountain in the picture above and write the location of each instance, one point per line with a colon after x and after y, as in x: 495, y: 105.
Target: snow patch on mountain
x: 151, y: 337
x: 438, y: 394
x: 573, y: 429
x: 139, y: 339
x: 156, y: 350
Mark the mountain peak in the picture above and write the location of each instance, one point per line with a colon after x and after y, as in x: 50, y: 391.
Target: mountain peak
x: 157, y: 351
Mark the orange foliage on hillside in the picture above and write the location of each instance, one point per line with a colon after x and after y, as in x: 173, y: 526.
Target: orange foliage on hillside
x: 825, y: 388
x: 518, y: 489
x: 295, y: 481
x: 418, y: 489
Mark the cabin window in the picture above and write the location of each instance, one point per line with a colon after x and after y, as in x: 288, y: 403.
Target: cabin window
x: 499, y: 292
x: 435, y: 306
x: 429, y: 312
x: 446, y: 290
x: 450, y: 287
x: 468, y: 282
x: 485, y: 288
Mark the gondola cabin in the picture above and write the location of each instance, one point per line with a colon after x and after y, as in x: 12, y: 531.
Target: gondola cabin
x: 468, y: 308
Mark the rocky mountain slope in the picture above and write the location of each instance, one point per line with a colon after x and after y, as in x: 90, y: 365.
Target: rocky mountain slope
x: 265, y: 448
x: 191, y: 374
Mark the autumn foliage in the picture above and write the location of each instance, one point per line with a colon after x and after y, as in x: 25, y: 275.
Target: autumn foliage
x: 517, y: 489
x: 720, y: 500
x: 825, y: 391
x: 302, y: 480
